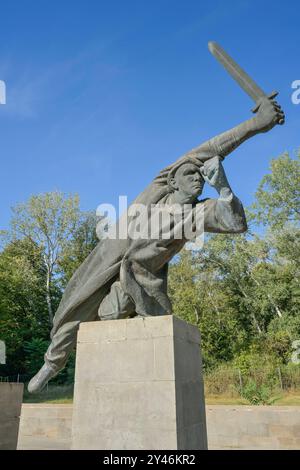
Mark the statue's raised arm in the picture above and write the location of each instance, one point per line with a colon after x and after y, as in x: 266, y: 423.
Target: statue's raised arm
x: 268, y: 115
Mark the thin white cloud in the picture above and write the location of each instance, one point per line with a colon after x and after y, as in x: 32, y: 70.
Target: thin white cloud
x: 29, y: 88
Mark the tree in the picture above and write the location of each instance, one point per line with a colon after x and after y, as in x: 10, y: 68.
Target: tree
x: 182, y: 289
x: 48, y: 220
x: 83, y: 241
x: 24, y: 315
x: 23, y: 308
x: 199, y: 297
x: 34, y: 350
x: 278, y: 195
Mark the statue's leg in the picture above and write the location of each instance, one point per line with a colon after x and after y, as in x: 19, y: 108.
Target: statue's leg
x: 58, y: 352
x: 62, y: 344
x: 116, y: 304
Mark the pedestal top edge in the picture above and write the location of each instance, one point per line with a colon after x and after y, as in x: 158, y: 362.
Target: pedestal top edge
x: 140, y: 328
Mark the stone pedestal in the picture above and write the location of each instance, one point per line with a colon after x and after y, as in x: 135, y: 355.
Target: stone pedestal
x: 138, y: 385
x: 11, y: 397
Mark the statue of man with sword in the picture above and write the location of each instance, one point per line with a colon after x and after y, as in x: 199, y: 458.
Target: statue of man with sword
x: 123, y: 278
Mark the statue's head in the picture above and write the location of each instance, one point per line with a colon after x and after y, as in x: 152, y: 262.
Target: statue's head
x: 187, y: 180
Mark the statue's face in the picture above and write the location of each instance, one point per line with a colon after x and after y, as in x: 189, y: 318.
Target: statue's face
x: 189, y: 180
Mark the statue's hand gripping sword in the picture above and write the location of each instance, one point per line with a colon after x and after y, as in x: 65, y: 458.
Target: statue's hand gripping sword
x: 241, y: 77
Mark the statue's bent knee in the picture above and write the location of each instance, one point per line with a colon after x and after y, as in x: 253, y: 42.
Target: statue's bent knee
x: 116, y: 304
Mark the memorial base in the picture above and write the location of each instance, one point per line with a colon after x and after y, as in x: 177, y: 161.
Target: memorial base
x: 139, y: 385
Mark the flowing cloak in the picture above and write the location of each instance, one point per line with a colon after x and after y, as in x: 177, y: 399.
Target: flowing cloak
x: 139, y: 264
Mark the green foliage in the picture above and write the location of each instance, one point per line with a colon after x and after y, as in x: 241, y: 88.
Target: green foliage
x: 279, y: 345
x: 49, y: 238
x: 291, y: 376
x: 75, y: 250
x: 23, y: 310
x: 35, y: 350
x: 224, y: 379
x: 182, y: 288
x: 278, y: 195
x: 243, y: 291
x: 258, y: 394
x: 49, y: 220
x: 258, y: 364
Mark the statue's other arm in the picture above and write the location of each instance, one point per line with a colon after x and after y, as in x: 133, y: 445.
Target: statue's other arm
x: 225, y: 214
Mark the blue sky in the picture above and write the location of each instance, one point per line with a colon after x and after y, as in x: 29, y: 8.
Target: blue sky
x: 102, y: 95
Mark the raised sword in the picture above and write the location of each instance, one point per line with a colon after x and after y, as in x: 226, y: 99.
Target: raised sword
x: 241, y: 77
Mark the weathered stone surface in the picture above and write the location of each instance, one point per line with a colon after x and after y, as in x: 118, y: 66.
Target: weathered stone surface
x: 11, y: 395
x: 253, y: 427
x: 45, y: 426
x: 138, y: 385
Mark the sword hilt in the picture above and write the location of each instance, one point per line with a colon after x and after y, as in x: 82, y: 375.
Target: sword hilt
x: 271, y: 96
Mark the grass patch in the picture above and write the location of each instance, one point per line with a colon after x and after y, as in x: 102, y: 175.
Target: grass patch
x: 52, y: 394
x: 291, y: 398
x: 223, y: 400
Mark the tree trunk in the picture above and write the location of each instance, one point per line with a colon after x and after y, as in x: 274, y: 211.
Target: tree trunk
x: 48, y: 298
x: 214, y: 306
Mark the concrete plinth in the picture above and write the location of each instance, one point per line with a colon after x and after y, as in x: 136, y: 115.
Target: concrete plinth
x: 11, y: 396
x: 138, y: 385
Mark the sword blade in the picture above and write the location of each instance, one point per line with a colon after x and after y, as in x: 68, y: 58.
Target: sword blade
x: 236, y: 72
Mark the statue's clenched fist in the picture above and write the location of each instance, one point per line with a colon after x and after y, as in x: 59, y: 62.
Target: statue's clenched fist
x: 269, y: 114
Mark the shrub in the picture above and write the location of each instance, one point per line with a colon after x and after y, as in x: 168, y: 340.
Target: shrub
x: 261, y: 368
x: 257, y: 394
x: 35, y: 350
x: 224, y: 380
x: 290, y: 374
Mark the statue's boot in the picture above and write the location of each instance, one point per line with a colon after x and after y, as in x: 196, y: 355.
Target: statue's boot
x: 38, y: 382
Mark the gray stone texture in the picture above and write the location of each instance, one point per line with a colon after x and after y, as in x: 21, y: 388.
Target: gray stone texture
x: 138, y: 385
x: 253, y: 427
x: 11, y: 396
x: 46, y: 426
